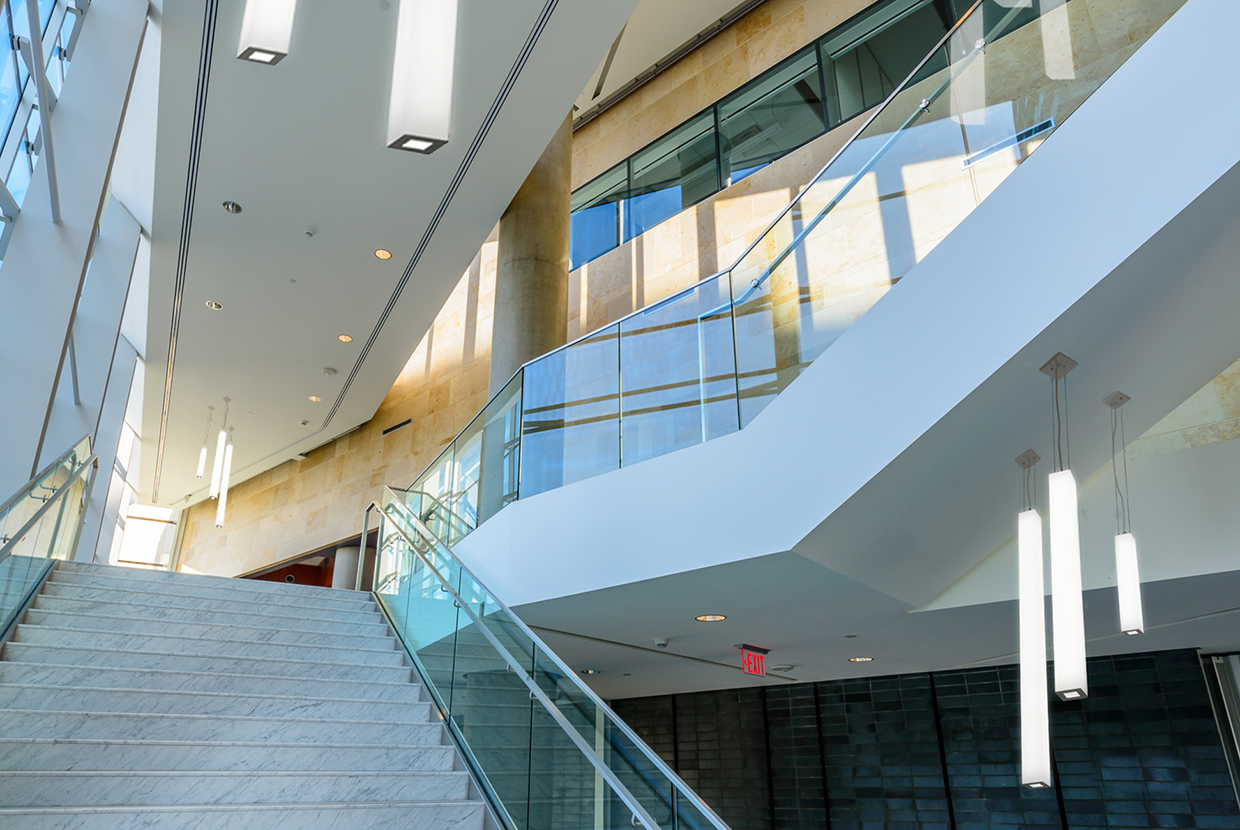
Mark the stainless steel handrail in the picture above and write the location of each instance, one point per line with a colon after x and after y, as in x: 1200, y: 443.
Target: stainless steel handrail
x: 651, y: 756
x: 47, y: 505
x: 874, y: 114
x: 29, y: 485
x: 536, y: 691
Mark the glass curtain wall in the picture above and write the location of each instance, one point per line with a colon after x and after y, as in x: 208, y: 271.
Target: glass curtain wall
x: 843, y: 74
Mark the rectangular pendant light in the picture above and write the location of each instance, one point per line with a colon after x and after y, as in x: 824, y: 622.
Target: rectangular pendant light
x: 221, y: 505
x: 202, y: 461
x: 1128, y: 580
x: 266, y: 30
x: 1035, y: 740
x: 1068, y: 620
x: 420, y: 111
x: 218, y: 466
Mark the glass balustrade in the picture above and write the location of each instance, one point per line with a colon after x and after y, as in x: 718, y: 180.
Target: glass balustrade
x: 549, y: 752
x: 706, y: 361
x: 40, y: 524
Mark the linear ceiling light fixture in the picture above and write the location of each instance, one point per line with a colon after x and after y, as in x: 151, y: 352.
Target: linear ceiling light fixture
x: 266, y: 30
x: 1035, y: 730
x: 1127, y: 576
x: 1067, y: 603
x: 202, y: 455
x: 222, y: 504
x: 420, y: 111
x: 217, y: 468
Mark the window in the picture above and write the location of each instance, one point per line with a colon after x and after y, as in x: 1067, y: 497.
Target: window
x: 676, y: 172
x: 595, y: 226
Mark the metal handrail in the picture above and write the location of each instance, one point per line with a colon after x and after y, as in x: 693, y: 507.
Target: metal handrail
x: 874, y: 114
x: 651, y: 756
x: 47, y: 505
x: 536, y: 691
x: 37, y: 477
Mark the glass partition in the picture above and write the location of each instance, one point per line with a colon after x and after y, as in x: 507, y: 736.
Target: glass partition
x: 548, y: 752
x: 707, y: 360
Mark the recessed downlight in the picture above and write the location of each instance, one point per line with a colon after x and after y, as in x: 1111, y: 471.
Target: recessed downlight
x: 214, y: 306
x: 315, y: 398
x: 710, y: 618
x: 861, y: 659
x: 344, y: 338
x: 383, y: 253
x: 232, y: 207
x: 783, y: 668
x: 589, y: 671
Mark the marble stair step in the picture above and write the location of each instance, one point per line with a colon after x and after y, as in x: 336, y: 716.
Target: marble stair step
x: 208, y: 611
x: 343, y: 600
x: 371, y: 626
x: 90, y: 755
x: 205, y: 645
x: 381, y: 640
x: 229, y: 601
x: 156, y: 789
x: 394, y: 816
x: 106, y: 658
x: 204, y: 681
x: 20, y: 723
x: 177, y: 578
x: 91, y: 699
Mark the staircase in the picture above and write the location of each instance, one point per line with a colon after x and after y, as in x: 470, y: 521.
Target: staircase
x: 157, y: 700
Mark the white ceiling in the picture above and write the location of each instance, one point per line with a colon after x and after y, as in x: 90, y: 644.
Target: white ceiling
x: 300, y: 147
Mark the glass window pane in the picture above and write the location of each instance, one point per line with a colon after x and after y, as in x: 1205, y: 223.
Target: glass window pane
x: 571, y: 420
x: 677, y: 171
x: 773, y: 115
x: 501, y: 450
x: 596, y: 209
x: 867, y: 60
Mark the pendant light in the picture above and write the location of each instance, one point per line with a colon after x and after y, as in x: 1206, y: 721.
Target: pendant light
x: 222, y: 504
x: 217, y: 468
x: 1127, y: 576
x: 202, y: 454
x: 1067, y: 603
x: 420, y: 109
x: 266, y: 30
x: 1035, y: 735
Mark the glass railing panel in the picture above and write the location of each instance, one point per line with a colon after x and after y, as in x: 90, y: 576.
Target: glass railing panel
x: 570, y: 419
x: 678, y: 372
x: 501, y: 450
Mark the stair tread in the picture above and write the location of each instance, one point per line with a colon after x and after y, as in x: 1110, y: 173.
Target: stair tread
x: 211, y: 718
x: 223, y: 593
x: 354, y: 617
x: 192, y: 693
x: 164, y: 577
x: 210, y: 674
x: 60, y: 647
x: 378, y: 624
x: 348, y: 649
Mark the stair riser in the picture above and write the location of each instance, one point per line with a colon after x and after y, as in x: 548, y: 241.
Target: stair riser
x: 378, y: 640
x: 202, y: 646
x: 16, y: 725
x: 246, y: 613
x: 58, y: 699
x: 224, y: 665
x: 70, y: 583
x: 138, y: 790
x: 164, y: 578
x: 69, y: 756
x: 59, y: 675
x: 373, y: 817
x: 218, y: 604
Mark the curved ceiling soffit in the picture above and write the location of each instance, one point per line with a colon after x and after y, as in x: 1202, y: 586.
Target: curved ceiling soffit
x: 200, y: 106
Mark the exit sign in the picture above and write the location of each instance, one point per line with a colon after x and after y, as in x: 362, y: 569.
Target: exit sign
x: 753, y: 661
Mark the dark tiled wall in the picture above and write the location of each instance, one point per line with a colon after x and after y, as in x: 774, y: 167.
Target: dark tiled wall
x: 929, y: 752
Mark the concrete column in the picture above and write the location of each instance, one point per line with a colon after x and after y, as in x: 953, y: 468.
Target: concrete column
x: 344, y: 574
x: 531, y: 280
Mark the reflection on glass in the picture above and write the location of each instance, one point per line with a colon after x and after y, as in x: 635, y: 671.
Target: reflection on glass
x: 770, y: 116
x: 570, y: 423
x: 679, y: 372
x: 501, y: 450
x: 597, y: 211
x: 675, y: 172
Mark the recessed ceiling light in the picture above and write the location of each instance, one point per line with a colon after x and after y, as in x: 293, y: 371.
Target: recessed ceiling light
x: 861, y: 659
x: 784, y: 667
x: 214, y: 306
x: 850, y: 636
x: 344, y: 338
x: 232, y: 207
x: 329, y: 371
x: 417, y: 145
x: 315, y: 398
x: 710, y: 618
x: 383, y: 253
x: 589, y: 671
x: 261, y: 56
